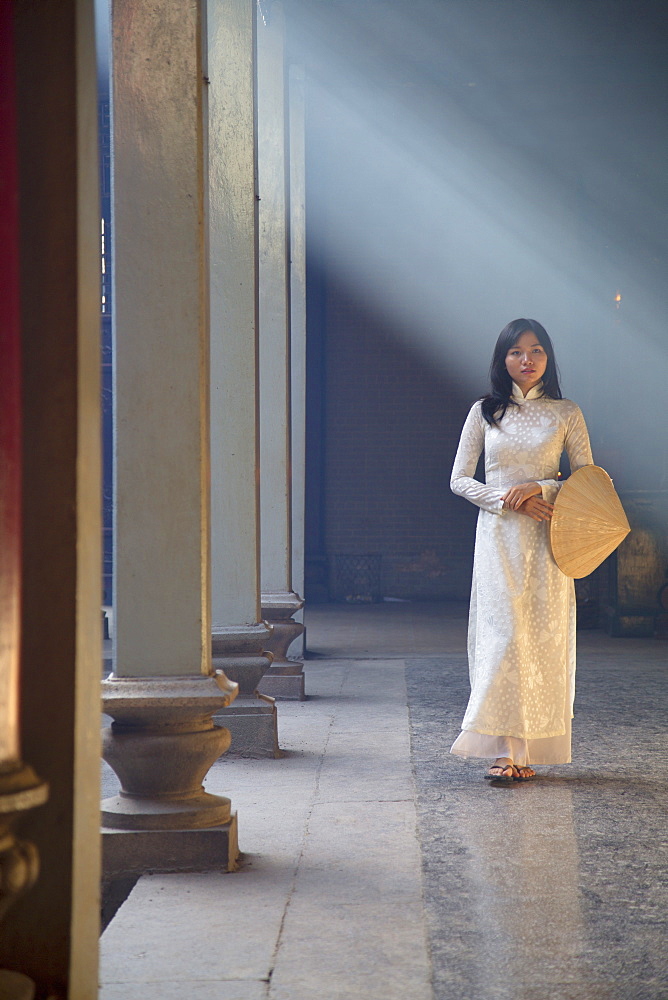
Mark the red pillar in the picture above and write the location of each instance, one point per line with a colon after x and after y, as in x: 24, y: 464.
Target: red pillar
x: 10, y: 397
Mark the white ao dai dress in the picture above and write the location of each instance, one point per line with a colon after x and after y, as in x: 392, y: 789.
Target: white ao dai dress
x: 521, y: 644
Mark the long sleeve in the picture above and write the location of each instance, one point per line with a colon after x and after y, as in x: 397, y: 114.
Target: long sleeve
x: 471, y: 444
x: 578, y: 449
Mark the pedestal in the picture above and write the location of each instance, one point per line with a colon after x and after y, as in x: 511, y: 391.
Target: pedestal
x: 285, y: 677
x: 20, y: 790
x: 252, y: 719
x: 253, y: 724
x: 128, y: 853
x: 636, y: 571
x: 16, y: 986
x: 161, y: 745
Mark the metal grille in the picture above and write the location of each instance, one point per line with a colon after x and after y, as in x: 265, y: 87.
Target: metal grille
x: 357, y: 578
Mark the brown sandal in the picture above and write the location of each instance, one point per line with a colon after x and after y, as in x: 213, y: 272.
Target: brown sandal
x: 502, y: 778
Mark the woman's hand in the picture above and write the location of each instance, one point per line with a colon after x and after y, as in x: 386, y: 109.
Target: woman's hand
x: 517, y: 495
x: 527, y: 498
x: 536, y: 508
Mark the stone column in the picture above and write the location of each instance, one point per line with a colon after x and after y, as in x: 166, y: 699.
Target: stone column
x: 20, y: 789
x: 162, y: 692
x: 297, y: 330
x: 50, y: 528
x: 239, y: 637
x: 285, y: 678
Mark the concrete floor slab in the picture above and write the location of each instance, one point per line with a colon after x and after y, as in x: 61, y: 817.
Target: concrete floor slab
x: 554, y: 887
x: 552, y: 890
x: 203, y: 990
x: 179, y: 929
x: 364, y: 853
x: 361, y: 956
x: 330, y: 857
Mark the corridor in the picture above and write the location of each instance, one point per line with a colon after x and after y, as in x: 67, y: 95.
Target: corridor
x: 377, y: 866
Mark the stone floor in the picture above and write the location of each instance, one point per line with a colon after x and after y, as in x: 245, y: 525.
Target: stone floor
x: 377, y: 866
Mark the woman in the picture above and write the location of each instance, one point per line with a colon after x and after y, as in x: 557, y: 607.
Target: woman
x: 522, y: 618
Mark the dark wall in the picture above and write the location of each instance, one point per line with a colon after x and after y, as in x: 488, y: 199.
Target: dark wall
x: 392, y: 429
x: 379, y: 456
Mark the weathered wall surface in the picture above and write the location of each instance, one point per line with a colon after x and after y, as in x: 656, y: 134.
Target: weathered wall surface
x: 390, y: 431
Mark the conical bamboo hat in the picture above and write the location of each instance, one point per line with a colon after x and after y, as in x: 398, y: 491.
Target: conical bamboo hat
x: 588, y: 522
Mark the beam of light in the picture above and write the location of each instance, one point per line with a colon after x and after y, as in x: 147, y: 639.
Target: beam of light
x: 455, y: 189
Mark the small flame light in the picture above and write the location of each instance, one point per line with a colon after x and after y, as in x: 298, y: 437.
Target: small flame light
x: 618, y: 299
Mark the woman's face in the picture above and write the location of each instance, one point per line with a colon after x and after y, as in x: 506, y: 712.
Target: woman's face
x: 526, y: 361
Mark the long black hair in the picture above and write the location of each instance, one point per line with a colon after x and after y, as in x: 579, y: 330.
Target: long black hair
x: 496, y: 402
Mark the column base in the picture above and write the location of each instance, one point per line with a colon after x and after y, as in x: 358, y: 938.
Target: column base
x: 200, y: 811
x: 161, y: 745
x: 20, y: 790
x: 140, y: 852
x: 283, y: 686
x: 636, y: 623
x: 285, y: 677
x: 253, y: 724
x: 16, y: 986
x: 239, y: 651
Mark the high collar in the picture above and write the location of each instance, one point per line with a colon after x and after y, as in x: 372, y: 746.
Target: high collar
x: 535, y: 393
